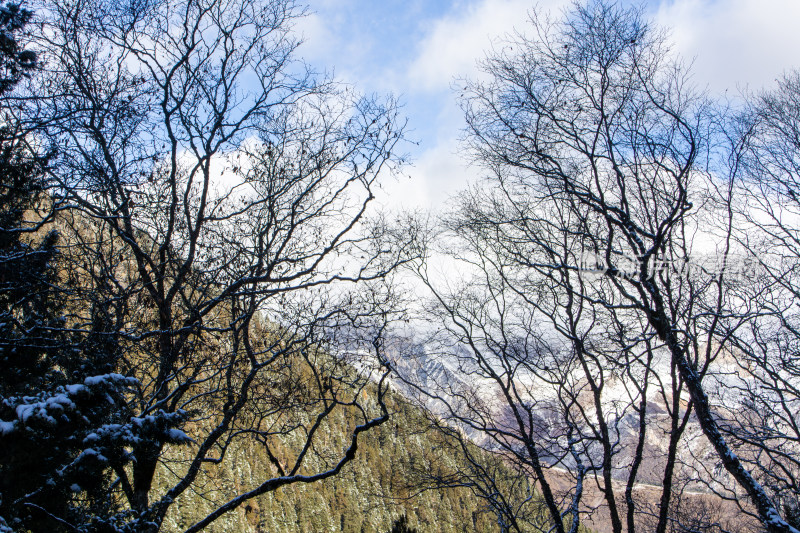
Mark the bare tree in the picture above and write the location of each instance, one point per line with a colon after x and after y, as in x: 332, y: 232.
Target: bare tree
x: 766, y: 169
x: 215, y: 205
x: 598, y: 153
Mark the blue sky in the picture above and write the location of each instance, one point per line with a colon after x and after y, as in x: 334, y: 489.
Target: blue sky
x: 415, y: 49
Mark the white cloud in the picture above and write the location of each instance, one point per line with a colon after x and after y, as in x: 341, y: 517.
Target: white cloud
x: 456, y: 41
x: 317, y: 35
x: 732, y: 41
x: 744, y: 42
x: 334, y: 42
x: 437, y: 174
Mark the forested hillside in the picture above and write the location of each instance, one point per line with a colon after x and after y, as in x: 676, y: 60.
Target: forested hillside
x: 368, y: 495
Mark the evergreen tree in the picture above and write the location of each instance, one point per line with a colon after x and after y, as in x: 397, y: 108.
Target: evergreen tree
x: 27, y: 312
x: 60, y: 402
x: 401, y: 526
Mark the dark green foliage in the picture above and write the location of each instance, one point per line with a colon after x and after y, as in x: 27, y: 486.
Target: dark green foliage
x: 791, y: 511
x: 401, y: 526
x: 56, y: 389
x: 52, y: 471
x: 28, y: 314
x: 15, y: 61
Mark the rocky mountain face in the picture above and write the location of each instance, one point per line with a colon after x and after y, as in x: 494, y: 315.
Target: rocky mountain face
x: 451, y: 384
